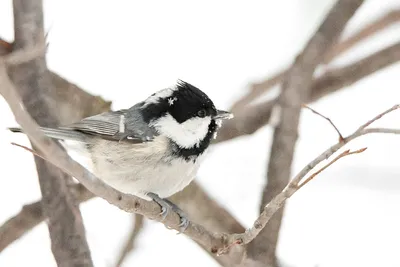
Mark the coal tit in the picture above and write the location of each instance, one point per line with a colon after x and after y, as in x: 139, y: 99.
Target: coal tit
x: 153, y: 149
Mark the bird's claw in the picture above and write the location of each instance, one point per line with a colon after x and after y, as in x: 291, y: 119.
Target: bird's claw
x: 166, y: 206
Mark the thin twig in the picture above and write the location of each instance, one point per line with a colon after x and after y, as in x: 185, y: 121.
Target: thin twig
x: 341, y: 139
x: 341, y: 155
x: 368, y: 123
x: 293, y: 186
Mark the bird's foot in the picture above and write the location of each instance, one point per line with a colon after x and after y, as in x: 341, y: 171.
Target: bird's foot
x: 166, y: 206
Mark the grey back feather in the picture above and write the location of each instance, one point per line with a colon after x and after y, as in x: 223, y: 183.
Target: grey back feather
x: 121, y: 125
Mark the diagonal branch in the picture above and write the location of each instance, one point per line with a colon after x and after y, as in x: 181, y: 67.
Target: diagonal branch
x: 369, y: 30
x: 296, y: 90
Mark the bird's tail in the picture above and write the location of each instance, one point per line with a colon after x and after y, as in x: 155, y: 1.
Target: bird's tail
x: 59, y: 134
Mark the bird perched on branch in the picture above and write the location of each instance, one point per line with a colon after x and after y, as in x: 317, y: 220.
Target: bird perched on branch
x: 153, y: 149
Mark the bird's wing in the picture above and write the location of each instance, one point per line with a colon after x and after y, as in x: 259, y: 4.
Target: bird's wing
x: 115, y: 126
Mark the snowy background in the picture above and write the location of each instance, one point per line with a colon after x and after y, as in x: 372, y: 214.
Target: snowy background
x: 124, y: 51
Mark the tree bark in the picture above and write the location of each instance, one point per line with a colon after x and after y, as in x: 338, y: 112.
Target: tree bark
x: 67, y: 233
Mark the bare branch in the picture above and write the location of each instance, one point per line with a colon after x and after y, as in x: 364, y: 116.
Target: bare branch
x: 65, y: 225
x: 31, y: 215
x: 341, y: 155
x: 258, y: 89
x: 369, y: 30
x: 296, y: 90
x: 368, y: 123
x: 295, y: 184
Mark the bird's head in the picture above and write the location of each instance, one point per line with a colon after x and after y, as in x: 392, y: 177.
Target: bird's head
x: 185, y: 115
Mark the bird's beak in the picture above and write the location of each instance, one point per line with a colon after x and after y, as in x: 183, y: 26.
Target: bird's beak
x: 223, y: 115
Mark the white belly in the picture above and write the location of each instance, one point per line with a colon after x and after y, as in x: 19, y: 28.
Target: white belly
x: 142, y: 168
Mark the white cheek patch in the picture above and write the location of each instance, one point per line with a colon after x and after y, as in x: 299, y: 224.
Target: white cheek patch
x: 187, y: 134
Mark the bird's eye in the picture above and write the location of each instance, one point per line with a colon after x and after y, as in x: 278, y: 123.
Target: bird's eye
x: 202, y: 113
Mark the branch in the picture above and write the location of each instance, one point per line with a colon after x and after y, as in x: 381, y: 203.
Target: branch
x: 65, y: 225
x: 258, y: 89
x: 369, y: 30
x: 256, y: 116
x: 296, y: 90
x: 31, y: 215
x: 299, y: 181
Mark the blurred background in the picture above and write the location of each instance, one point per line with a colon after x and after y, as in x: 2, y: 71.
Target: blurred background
x: 348, y: 216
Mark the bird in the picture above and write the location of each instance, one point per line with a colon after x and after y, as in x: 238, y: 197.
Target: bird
x: 151, y: 150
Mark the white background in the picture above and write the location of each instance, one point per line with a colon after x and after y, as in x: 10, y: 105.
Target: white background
x: 125, y: 50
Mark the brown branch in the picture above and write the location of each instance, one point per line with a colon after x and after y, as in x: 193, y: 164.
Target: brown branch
x: 215, y: 242
x: 369, y: 30
x: 258, y: 89
x: 256, y: 116
x: 31, y: 215
x: 296, y: 90
x: 67, y: 233
x: 137, y: 226
x: 296, y: 183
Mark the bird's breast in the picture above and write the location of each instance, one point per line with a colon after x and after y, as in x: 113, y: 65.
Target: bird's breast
x: 141, y: 168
